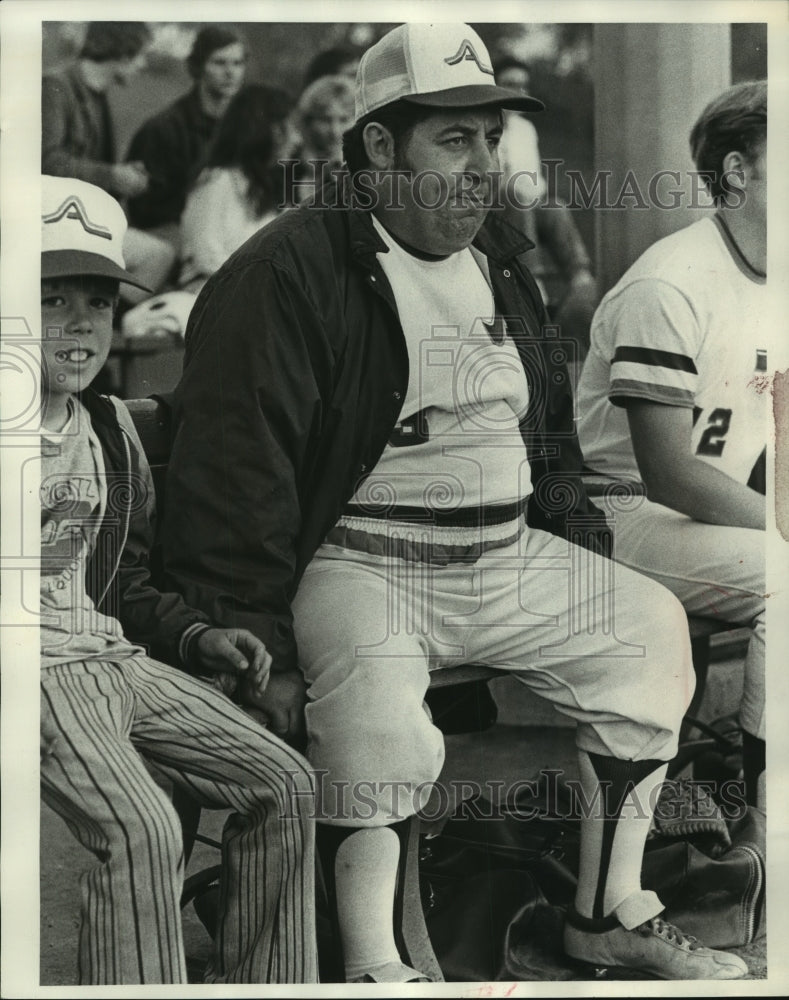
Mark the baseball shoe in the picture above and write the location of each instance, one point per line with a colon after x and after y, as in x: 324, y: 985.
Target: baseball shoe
x: 654, y: 947
x: 391, y: 972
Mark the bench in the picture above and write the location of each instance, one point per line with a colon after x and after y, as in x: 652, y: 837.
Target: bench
x: 151, y: 419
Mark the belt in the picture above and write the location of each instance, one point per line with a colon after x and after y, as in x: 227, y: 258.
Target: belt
x: 462, y: 517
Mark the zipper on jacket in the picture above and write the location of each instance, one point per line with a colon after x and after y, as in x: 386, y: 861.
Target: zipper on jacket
x: 125, y: 532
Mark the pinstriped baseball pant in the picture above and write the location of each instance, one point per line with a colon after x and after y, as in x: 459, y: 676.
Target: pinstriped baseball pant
x: 98, y: 719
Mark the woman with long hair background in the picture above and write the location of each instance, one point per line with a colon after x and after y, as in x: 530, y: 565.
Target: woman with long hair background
x: 240, y: 189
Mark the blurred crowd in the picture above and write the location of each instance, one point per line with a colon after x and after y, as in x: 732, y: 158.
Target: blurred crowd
x: 228, y: 156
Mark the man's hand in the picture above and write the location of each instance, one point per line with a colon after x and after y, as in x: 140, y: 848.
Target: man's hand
x: 235, y: 651
x: 129, y: 179
x: 281, y: 706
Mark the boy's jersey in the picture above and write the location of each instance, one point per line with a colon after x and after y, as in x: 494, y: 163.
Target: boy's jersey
x: 73, y: 502
x: 685, y: 326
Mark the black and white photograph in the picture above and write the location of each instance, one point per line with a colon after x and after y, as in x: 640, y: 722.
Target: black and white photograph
x: 395, y: 478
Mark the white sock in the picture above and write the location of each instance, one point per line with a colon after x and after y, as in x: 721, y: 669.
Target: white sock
x: 365, y: 872
x: 620, y: 869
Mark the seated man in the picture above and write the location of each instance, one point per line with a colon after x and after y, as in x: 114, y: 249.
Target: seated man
x: 674, y: 393
x: 77, y: 135
x: 375, y: 470
x: 106, y: 705
x: 173, y: 144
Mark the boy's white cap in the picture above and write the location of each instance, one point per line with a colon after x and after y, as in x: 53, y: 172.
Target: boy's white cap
x: 437, y: 65
x: 82, y: 230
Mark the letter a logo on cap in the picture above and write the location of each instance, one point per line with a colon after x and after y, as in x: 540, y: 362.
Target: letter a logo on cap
x: 72, y: 208
x: 467, y: 51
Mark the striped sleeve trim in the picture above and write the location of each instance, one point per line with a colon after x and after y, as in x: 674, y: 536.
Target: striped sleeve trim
x: 623, y: 389
x: 652, y: 356
x: 187, y: 638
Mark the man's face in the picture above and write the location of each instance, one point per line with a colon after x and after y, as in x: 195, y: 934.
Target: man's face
x: 76, y: 331
x: 223, y: 72
x: 324, y: 129
x: 451, y: 156
x: 756, y: 191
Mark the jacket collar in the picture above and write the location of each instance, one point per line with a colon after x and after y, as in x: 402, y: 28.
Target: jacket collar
x: 105, y: 423
x: 497, y: 239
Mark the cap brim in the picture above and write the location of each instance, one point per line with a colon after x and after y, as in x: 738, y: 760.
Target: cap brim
x: 71, y: 263
x: 477, y: 96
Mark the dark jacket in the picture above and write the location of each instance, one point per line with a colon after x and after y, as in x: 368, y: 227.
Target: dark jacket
x: 295, y: 372
x: 118, y: 575
x: 173, y: 146
x: 76, y: 130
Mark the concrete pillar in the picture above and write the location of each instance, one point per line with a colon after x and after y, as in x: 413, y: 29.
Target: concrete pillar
x: 651, y: 83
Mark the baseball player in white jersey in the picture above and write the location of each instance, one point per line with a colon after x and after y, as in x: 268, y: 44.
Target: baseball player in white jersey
x: 675, y: 393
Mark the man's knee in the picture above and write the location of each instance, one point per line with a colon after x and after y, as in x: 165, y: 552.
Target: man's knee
x: 371, y: 770
x: 669, y: 649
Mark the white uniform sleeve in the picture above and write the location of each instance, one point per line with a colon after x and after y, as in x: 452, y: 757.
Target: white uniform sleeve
x: 653, y: 337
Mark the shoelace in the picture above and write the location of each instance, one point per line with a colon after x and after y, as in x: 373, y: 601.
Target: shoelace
x: 669, y: 932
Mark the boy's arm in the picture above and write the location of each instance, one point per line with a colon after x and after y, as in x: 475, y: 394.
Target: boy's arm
x: 656, y: 336
x: 674, y: 477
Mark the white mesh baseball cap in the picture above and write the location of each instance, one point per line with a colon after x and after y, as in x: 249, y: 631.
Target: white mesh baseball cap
x: 82, y: 230
x: 436, y: 65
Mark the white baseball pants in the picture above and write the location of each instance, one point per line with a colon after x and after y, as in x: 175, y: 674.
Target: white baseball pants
x: 608, y: 647
x: 716, y: 571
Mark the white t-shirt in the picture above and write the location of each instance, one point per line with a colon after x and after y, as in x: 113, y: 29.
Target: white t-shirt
x: 217, y: 220
x: 73, y: 501
x: 467, y: 383
x: 685, y: 326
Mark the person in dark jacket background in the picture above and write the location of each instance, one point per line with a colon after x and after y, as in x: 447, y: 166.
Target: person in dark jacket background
x: 172, y: 145
x: 78, y: 140
x: 107, y: 706
x: 375, y: 470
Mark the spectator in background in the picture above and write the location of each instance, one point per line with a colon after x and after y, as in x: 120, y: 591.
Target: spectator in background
x: 324, y: 112
x: 240, y: 189
x: 519, y: 149
x: 560, y: 262
x: 341, y: 60
x: 173, y: 144
x: 77, y: 138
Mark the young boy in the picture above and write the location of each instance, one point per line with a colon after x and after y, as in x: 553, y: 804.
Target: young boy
x: 106, y: 705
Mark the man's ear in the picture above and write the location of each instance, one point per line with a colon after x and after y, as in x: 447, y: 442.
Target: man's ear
x: 734, y: 165
x: 379, y: 146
